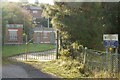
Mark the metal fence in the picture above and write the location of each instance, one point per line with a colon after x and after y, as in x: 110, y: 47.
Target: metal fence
x: 30, y: 52
x: 36, y: 46
x: 44, y: 55
x: 98, y: 61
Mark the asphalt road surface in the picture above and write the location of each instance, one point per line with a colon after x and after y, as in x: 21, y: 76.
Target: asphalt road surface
x: 22, y: 70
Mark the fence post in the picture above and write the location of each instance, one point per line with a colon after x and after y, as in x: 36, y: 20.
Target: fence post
x: 111, y: 61
x: 60, y: 37
x: 26, y: 47
x: 57, y: 44
x: 84, y: 61
x: 112, y: 64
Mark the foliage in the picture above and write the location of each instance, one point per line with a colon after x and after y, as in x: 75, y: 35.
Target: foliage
x: 67, y: 69
x: 66, y: 52
x: 102, y: 74
x: 73, y: 50
x: 40, y: 21
x: 112, y: 15
x: 43, y: 22
x: 14, y: 14
x: 80, y: 23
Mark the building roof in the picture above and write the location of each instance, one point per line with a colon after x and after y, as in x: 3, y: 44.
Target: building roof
x: 31, y: 7
x: 14, y: 26
x: 43, y: 29
x: 35, y: 8
x: 25, y: 6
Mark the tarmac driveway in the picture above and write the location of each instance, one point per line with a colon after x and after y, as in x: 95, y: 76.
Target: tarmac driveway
x: 22, y: 70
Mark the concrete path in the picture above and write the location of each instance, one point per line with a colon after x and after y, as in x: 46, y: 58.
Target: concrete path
x: 22, y: 70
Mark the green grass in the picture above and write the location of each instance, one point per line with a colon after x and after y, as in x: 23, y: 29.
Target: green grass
x: 11, y: 50
x: 62, y: 69
x: 70, y: 68
x: 6, y: 61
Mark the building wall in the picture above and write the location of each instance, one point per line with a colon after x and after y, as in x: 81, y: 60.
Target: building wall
x: 42, y: 39
x: 19, y: 36
x: 36, y: 15
x: 45, y: 39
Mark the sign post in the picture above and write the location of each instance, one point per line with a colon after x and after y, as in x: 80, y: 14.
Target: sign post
x: 116, y: 55
x: 106, y: 58
x: 111, y: 41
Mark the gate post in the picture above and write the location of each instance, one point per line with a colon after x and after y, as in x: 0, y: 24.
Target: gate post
x: 57, y: 44
x: 26, y: 47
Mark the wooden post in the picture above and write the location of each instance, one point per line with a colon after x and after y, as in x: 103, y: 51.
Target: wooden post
x: 84, y: 61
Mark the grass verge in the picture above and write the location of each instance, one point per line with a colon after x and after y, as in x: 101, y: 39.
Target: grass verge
x: 70, y: 69
x: 6, y: 61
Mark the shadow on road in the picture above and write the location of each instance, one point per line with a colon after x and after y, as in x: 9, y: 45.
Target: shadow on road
x: 22, y: 70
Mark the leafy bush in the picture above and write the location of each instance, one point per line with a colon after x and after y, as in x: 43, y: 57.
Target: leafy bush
x: 65, y: 52
x: 74, y: 66
x: 76, y: 46
x: 72, y: 50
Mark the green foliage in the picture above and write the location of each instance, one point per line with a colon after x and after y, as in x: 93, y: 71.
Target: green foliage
x: 44, y: 22
x: 71, y: 69
x: 76, y: 46
x: 84, y: 23
x: 66, y: 52
x: 67, y: 69
x: 81, y: 23
x: 13, y: 14
x: 102, y: 74
x: 72, y: 50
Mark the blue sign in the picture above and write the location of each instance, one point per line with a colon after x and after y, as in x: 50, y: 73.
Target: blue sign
x: 112, y: 44
x: 106, y: 43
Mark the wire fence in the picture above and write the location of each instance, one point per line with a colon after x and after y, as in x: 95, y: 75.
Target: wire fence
x: 99, y: 61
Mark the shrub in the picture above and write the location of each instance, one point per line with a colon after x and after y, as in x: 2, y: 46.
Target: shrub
x: 73, y: 50
x: 65, y: 52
